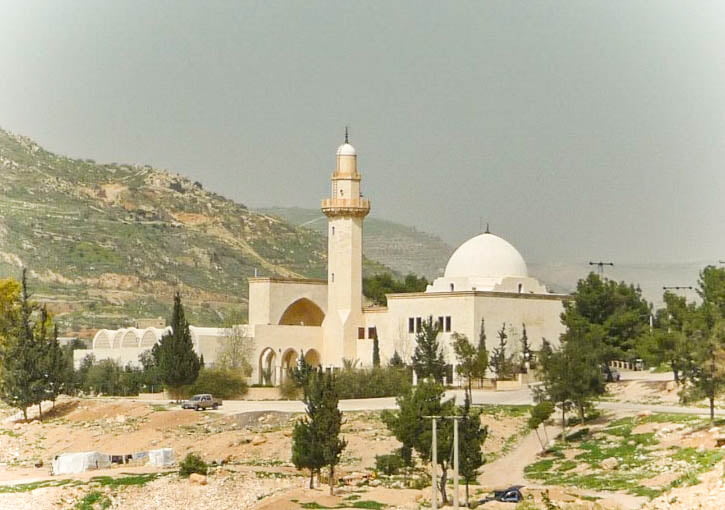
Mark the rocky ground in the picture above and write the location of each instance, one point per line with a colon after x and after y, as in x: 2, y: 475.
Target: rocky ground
x: 655, y: 462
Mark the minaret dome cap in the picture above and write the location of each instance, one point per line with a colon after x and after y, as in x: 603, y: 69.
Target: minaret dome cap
x: 346, y: 150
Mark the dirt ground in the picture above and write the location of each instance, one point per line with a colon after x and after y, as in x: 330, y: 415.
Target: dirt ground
x: 252, y: 456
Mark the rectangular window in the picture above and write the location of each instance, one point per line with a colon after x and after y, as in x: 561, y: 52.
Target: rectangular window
x: 440, y: 323
x: 448, y: 324
x: 418, y: 324
x: 360, y: 333
x: 372, y: 333
x: 411, y: 325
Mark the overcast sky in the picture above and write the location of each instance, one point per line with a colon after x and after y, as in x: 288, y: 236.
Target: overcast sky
x: 580, y: 130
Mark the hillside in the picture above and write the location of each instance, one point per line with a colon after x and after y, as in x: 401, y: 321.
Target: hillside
x: 397, y: 246
x: 106, y: 243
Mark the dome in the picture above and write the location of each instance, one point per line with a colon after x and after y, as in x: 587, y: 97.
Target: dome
x: 486, y: 255
x: 346, y: 150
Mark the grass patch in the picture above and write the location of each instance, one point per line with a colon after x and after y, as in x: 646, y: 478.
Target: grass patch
x: 636, y: 453
x: 371, y: 505
x: 505, y: 410
x: 92, y: 501
x: 27, y: 487
x: 130, y: 479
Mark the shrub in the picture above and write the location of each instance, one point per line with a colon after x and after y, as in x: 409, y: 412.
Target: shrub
x: 223, y: 384
x: 388, y: 464
x: 192, y: 463
x: 289, y: 389
x: 372, y: 383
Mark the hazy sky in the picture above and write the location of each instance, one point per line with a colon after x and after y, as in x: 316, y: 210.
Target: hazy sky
x: 580, y: 130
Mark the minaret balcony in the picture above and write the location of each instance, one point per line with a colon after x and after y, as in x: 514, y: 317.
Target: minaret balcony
x: 346, y: 206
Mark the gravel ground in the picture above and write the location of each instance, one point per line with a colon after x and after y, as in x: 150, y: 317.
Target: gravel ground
x: 224, y: 491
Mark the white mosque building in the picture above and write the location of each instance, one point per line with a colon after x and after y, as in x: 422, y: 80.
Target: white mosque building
x: 327, y: 320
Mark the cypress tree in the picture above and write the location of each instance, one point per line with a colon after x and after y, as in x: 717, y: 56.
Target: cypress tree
x: 174, y: 354
x: 428, y: 358
x: 396, y: 360
x: 376, y: 352
x: 316, y: 441
x: 471, y: 438
x: 22, y: 384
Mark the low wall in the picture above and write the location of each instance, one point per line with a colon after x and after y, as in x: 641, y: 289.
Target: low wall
x: 262, y: 394
x: 509, y: 385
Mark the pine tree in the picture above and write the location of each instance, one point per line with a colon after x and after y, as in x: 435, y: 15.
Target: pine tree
x: 22, y: 384
x: 428, y: 358
x: 178, y: 364
x: 471, y: 438
x: 466, y: 355
x: 396, y: 360
x: 58, y: 378
x: 525, y: 350
x: 316, y: 441
x: 481, y: 353
x: 376, y: 352
x: 498, y: 356
x: 328, y: 424
x: 410, y: 426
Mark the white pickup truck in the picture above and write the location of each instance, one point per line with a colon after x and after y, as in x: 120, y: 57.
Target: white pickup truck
x: 202, y: 401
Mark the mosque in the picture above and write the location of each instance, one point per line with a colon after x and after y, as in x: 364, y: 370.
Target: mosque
x: 486, y: 281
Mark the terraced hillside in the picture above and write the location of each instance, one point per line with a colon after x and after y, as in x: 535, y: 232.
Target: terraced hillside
x: 402, y: 248
x: 106, y: 243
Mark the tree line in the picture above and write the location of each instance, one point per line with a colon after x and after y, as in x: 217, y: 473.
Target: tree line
x: 34, y: 368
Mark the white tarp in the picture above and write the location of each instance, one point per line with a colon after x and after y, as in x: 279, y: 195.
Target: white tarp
x: 68, y: 463
x: 163, y: 457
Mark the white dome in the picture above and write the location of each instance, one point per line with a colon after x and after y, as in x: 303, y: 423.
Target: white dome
x: 346, y: 150
x: 486, y: 255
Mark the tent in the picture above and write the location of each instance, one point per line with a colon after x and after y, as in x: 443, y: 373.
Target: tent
x: 163, y: 457
x: 68, y: 463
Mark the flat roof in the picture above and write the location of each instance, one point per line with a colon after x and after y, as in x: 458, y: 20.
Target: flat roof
x: 281, y: 279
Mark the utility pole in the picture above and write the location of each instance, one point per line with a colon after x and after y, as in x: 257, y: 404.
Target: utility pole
x: 433, y: 465
x: 683, y: 288
x: 455, y: 459
x: 600, y: 266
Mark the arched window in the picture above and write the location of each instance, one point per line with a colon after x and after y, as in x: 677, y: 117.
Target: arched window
x: 332, y: 277
x: 333, y: 230
x: 452, y: 287
x: 521, y: 288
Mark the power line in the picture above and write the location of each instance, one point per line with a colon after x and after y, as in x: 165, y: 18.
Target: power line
x: 600, y: 266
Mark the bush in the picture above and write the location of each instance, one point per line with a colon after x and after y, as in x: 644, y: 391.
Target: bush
x: 222, y: 384
x: 372, y: 383
x: 289, y: 389
x: 388, y: 464
x: 192, y: 463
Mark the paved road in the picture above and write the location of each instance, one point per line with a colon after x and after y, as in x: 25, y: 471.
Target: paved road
x: 516, y: 397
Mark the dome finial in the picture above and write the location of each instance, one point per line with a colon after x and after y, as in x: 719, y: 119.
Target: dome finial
x: 488, y: 230
x: 346, y: 137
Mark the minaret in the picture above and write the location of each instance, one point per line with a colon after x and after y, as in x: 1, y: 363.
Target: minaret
x: 346, y: 210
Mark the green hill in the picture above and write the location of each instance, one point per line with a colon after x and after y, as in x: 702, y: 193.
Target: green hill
x: 402, y: 248
x: 106, y: 243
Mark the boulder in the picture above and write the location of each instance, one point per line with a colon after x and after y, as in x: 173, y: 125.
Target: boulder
x: 257, y: 440
x: 644, y: 414
x: 671, y: 386
x: 198, y: 479
x: 610, y: 463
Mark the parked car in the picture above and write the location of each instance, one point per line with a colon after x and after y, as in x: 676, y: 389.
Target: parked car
x: 510, y: 495
x: 201, y: 401
x: 612, y: 375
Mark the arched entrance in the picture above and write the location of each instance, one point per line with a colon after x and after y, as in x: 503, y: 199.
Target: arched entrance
x: 289, y: 362
x: 312, y: 357
x: 302, y: 312
x: 268, y: 367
